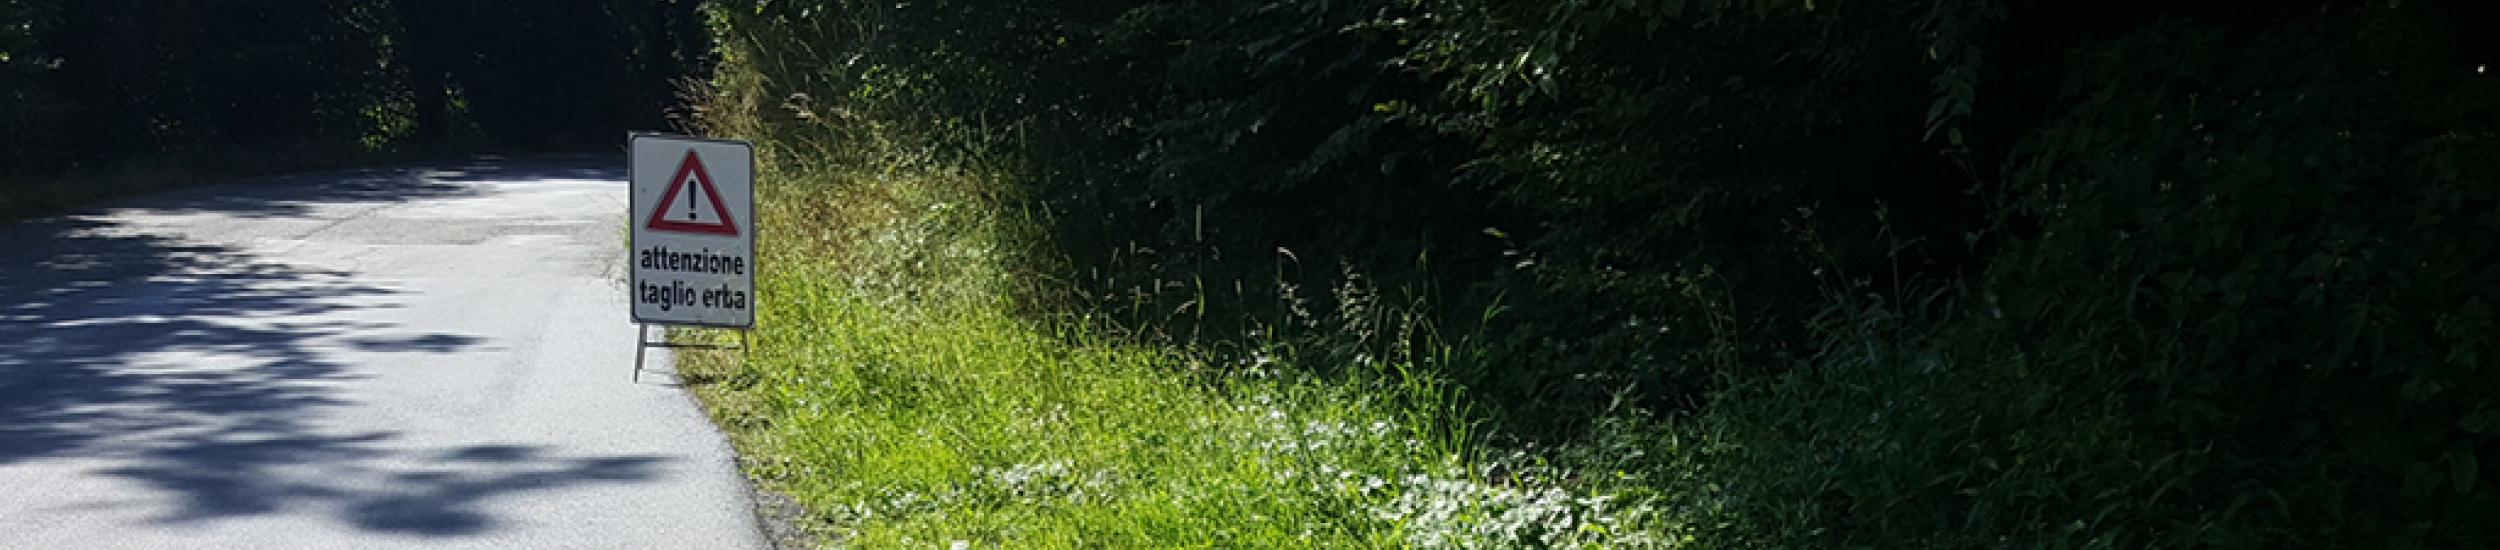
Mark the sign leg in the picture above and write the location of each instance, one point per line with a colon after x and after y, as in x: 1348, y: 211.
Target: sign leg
x: 642, y: 343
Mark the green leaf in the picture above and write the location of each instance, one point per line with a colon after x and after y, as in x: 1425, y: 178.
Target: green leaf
x: 2462, y: 468
x: 2314, y: 265
x: 2479, y: 423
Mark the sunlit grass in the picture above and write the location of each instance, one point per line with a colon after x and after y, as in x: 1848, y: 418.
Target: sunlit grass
x: 897, y: 393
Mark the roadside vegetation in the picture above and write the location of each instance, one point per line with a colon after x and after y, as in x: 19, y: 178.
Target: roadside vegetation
x: 904, y: 390
x: 1717, y: 274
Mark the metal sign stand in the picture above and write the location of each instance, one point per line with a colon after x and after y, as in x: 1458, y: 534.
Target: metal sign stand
x: 643, y: 343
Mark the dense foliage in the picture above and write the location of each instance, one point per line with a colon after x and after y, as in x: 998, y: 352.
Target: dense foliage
x: 87, y: 86
x: 1819, y: 273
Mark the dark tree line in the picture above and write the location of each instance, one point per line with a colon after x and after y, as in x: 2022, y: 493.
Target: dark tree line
x: 90, y: 83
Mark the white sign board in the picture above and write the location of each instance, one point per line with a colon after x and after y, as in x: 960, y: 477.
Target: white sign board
x: 693, y: 245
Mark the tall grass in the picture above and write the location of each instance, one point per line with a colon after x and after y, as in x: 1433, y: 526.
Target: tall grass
x: 903, y: 390
x: 921, y: 380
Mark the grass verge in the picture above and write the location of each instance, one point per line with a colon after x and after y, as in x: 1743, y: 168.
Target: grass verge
x: 902, y: 396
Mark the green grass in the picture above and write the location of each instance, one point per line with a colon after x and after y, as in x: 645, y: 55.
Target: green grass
x: 899, y: 395
x: 912, y: 386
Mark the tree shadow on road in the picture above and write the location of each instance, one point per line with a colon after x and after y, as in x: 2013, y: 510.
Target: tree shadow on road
x: 442, y: 500
x: 202, y: 372
x: 492, y: 168
x: 296, y: 195
x: 101, y: 334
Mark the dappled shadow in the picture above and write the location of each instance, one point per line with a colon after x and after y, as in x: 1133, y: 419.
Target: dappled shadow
x: 297, y: 195
x: 226, y: 473
x: 493, y: 168
x: 443, y: 495
x: 105, y: 336
x: 445, y: 498
x: 206, y: 373
x: 433, y: 343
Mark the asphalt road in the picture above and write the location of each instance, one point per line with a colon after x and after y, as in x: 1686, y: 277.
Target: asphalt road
x: 422, y: 357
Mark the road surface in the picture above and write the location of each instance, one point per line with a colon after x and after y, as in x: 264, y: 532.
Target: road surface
x: 421, y: 357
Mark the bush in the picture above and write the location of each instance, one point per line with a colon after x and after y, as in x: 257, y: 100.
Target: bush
x: 1960, y: 273
x: 2286, y: 232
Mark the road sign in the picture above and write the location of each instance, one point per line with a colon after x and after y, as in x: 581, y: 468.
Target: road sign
x: 699, y: 220
x: 693, y: 245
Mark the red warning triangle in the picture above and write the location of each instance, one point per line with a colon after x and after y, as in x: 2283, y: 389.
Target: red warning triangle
x: 693, y: 222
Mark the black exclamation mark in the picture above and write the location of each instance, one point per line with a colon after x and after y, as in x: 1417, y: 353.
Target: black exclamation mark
x: 691, y: 200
